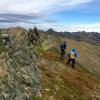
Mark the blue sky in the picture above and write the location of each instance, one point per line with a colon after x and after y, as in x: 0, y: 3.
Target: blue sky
x: 62, y: 15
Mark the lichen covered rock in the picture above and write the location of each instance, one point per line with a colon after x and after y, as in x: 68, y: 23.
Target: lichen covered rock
x: 22, y: 77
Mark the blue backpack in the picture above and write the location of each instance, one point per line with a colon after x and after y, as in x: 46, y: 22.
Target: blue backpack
x: 61, y: 47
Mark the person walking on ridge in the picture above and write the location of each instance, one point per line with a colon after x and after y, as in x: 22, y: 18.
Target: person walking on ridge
x: 72, y: 55
x: 62, y: 50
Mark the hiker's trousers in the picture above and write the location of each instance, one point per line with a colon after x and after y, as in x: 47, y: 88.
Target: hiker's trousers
x: 73, y: 62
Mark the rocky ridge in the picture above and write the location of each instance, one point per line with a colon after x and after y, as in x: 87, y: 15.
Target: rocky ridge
x: 21, y: 79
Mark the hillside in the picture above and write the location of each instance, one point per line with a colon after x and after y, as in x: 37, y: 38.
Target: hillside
x: 88, y: 37
x: 89, y: 54
x: 38, y: 70
x: 64, y: 83
x: 19, y: 74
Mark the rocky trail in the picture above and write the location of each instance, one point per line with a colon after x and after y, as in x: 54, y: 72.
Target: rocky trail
x: 61, y: 82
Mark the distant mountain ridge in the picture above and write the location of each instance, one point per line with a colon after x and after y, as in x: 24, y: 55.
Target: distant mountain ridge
x: 92, y: 37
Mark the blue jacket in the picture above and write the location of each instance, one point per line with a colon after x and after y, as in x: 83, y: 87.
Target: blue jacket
x: 61, y: 47
x: 75, y: 53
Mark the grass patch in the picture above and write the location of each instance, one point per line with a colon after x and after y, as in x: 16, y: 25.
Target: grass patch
x: 32, y: 97
x: 82, y: 68
x: 60, y: 88
x: 38, y: 49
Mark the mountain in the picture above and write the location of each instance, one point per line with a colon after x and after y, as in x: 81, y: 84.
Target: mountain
x: 36, y: 72
x: 89, y: 37
x: 61, y: 82
x: 19, y: 74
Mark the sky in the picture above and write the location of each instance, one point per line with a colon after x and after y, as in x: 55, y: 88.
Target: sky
x: 61, y: 15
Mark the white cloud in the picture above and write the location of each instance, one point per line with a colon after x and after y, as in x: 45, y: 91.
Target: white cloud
x: 37, y: 6
x: 94, y: 27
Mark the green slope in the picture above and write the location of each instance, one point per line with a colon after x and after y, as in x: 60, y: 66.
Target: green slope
x: 59, y: 81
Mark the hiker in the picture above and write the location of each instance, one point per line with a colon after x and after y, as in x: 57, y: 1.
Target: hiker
x: 62, y: 49
x: 72, y: 55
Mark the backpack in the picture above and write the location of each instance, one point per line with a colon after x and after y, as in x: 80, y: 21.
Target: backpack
x: 61, y: 47
x: 72, y: 56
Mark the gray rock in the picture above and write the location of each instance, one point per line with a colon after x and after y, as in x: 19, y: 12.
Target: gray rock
x: 23, y: 75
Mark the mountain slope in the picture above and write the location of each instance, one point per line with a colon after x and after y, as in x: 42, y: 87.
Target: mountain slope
x: 88, y: 54
x: 59, y: 81
x: 55, y: 80
x: 88, y: 37
x: 20, y: 76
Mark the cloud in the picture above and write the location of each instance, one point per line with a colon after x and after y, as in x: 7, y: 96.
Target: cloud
x: 27, y: 13
x: 30, y: 6
x: 13, y: 18
x: 94, y: 27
